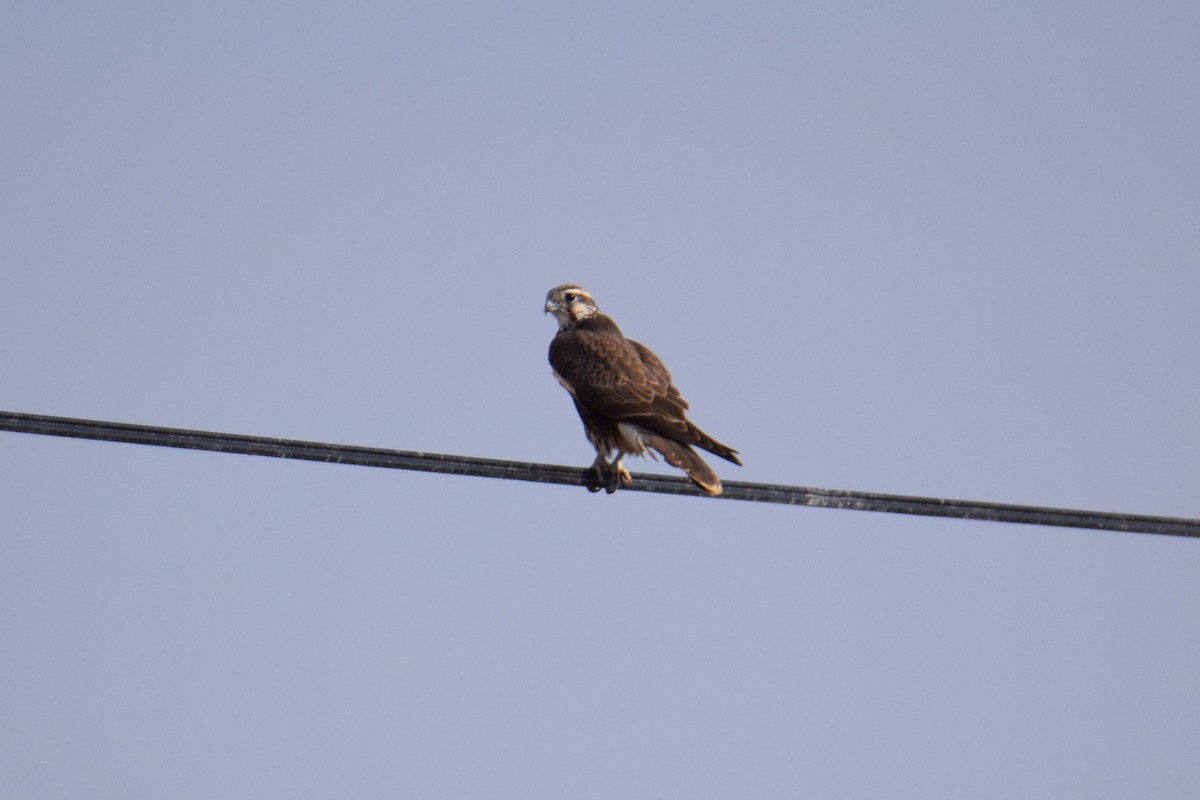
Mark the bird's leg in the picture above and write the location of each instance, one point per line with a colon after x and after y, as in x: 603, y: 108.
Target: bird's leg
x: 603, y: 479
x: 610, y: 476
x: 618, y: 467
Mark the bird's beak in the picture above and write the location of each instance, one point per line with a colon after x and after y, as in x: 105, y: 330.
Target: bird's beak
x: 552, y: 306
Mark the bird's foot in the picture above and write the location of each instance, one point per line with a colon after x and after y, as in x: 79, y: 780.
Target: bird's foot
x: 609, y: 477
x: 603, y: 477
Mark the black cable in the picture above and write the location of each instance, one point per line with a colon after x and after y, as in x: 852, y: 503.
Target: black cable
x: 574, y: 476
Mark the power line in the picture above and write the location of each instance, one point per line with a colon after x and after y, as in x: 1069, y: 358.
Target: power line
x: 574, y: 476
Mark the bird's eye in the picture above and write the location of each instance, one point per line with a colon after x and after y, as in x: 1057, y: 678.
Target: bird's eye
x: 569, y: 297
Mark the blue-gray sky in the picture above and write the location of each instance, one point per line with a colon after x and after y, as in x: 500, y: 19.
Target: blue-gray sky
x: 927, y: 248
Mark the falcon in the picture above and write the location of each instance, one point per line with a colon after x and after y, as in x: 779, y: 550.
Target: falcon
x: 624, y: 395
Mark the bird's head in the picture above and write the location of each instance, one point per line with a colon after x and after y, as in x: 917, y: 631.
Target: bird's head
x: 569, y: 304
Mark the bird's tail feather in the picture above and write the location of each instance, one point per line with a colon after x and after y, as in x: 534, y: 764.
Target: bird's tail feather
x: 706, y: 442
x: 683, y: 457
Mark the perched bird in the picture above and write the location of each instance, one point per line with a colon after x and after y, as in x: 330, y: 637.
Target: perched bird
x: 624, y: 395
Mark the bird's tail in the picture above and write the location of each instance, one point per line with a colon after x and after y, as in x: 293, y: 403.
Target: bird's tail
x: 683, y: 457
x: 706, y: 442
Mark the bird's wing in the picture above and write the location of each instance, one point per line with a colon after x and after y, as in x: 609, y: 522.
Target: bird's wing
x: 611, y: 376
x: 655, y: 367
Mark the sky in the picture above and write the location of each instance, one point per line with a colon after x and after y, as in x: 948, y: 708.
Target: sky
x: 931, y: 248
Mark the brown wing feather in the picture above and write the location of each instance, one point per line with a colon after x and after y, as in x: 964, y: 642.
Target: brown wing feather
x: 656, y: 367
